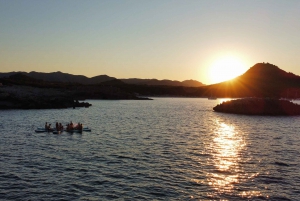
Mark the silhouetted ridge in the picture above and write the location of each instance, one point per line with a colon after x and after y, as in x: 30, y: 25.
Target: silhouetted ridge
x: 20, y: 78
x: 268, y: 71
x: 100, y: 79
x: 261, y: 80
x: 59, y: 77
x: 165, y: 82
x: 114, y: 82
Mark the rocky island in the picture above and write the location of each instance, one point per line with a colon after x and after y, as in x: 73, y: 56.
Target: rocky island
x: 259, y: 106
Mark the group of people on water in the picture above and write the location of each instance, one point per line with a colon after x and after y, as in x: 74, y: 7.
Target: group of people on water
x: 60, y: 127
x: 70, y: 126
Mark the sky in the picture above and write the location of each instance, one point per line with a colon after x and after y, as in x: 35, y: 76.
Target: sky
x: 162, y: 39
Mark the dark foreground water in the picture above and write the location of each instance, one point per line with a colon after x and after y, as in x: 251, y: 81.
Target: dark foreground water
x: 165, y: 149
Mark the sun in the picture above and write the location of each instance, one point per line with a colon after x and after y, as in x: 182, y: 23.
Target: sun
x: 226, y: 68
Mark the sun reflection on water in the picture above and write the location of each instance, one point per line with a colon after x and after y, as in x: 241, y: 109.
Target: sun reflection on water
x: 227, y: 145
x: 227, y: 172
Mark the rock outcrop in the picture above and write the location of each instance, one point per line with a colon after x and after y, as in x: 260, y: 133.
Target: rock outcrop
x: 259, y: 106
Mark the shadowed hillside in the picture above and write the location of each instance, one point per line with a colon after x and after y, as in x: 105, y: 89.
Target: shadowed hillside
x: 261, y: 80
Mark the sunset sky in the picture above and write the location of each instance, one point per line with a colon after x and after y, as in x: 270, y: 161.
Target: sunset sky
x: 163, y: 39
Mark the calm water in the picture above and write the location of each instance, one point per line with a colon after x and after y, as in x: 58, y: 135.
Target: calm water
x: 165, y: 149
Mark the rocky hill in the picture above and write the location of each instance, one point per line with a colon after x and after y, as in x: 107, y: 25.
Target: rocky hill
x: 261, y: 80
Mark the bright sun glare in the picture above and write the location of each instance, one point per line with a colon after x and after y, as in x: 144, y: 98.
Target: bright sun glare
x: 226, y: 68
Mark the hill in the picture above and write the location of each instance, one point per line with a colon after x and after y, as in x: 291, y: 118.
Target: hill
x: 261, y: 80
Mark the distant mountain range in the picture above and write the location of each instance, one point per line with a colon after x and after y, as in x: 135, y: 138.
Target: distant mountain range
x: 186, y: 83
x: 69, y: 78
x: 62, y: 77
x: 261, y: 80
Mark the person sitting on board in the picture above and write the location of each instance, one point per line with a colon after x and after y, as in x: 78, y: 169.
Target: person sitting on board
x: 60, y: 126
x: 56, y: 126
x: 46, y: 126
x: 49, y: 128
x: 77, y: 126
x: 71, y: 125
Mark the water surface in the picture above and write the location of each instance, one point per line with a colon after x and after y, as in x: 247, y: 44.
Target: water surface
x: 165, y: 149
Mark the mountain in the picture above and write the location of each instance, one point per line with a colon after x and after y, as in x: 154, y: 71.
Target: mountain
x: 261, y: 80
x: 155, y: 82
x: 69, y: 78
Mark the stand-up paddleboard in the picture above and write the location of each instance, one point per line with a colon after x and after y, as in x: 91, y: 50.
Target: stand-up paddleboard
x: 42, y: 130
x: 86, y: 129
x: 56, y: 132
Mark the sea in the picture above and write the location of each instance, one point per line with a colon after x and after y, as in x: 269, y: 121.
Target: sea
x: 160, y: 149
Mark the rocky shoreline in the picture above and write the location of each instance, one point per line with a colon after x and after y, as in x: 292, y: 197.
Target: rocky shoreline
x: 259, y: 106
x: 31, y: 97
x: 26, y: 97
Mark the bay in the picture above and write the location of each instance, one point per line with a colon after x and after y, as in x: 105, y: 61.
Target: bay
x: 165, y: 149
